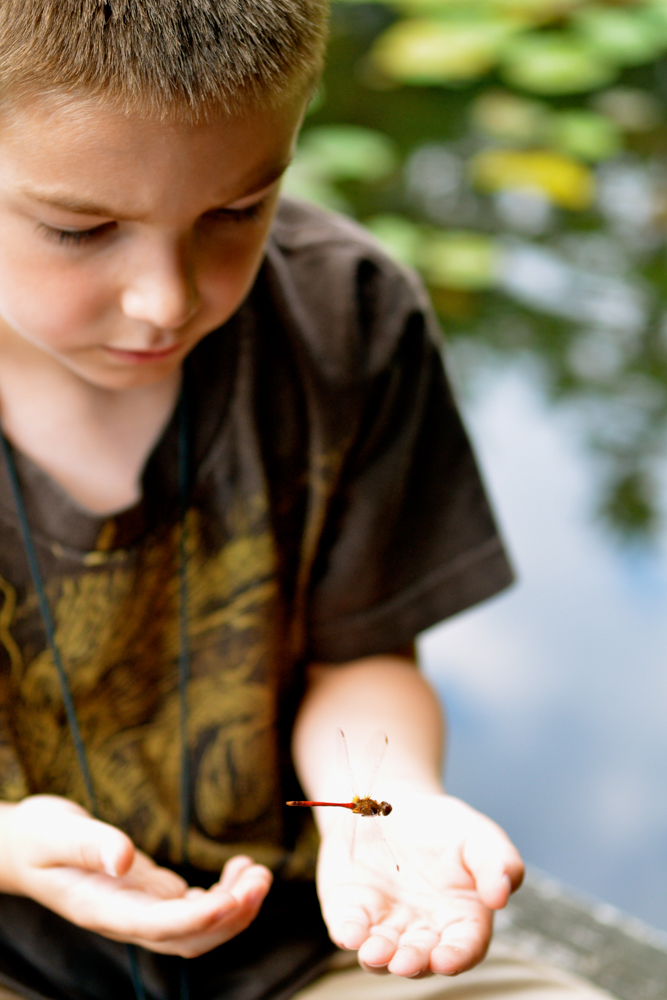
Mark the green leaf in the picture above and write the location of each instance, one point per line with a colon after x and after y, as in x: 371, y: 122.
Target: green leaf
x: 623, y: 37
x: 554, y: 63
x: 349, y: 152
x: 510, y: 118
x: 563, y: 180
x: 461, y: 259
x: 303, y: 180
x: 423, y: 51
x: 401, y: 238
x: 585, y: 134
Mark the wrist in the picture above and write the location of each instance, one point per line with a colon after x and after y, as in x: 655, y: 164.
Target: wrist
x: 419, y: 783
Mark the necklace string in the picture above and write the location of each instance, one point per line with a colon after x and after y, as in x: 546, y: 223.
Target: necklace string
x: 49, y: 627
x: 184, y: 480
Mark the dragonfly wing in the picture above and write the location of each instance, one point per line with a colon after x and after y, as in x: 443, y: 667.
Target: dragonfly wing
x: 375, y: 751
x: 369, y: 844
x: 353, y: 837
x: 343, y: 757
x: 372, y: 847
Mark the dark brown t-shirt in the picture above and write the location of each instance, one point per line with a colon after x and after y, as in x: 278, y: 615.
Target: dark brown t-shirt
x: 336, y: 511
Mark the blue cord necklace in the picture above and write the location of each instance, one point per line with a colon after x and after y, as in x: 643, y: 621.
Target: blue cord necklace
x: 183, y: 655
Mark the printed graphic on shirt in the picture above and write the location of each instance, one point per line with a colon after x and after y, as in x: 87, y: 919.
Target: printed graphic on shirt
x: 117, y: 629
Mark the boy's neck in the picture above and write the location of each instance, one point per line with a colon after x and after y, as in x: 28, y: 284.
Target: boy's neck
x: 93, y: 442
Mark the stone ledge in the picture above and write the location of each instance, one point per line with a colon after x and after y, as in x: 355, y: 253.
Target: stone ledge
x: 594, y: 940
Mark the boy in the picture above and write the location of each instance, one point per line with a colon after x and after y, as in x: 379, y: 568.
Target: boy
x: 327, y: 508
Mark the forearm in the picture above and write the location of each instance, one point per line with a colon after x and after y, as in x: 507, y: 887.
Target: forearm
x: 384, y: 693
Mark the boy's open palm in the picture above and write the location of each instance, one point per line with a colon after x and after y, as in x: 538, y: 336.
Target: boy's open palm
x: 90, y: 873
x: 435, y: 915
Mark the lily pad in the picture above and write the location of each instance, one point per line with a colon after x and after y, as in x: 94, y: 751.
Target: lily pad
x: 349, y: 152
x: 531, y: 11
x: 461, y: 259
x: 561, y: 179
x: 401, y: 238
x: 623, y: 37
x: 586, y: 134
x: 554, y: 63
x: 655, y: 13
x: 303, y: 180
x: 423, y: 51
x: 631, y: 109
x: 432, y: 7
x: 509, y: 117
x: 538, y: 9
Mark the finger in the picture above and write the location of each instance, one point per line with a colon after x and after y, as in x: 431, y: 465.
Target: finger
x: 233, y: 868
x: 350, y: 910
x: 251, y: 885
x: 462, y: 945
x: 399, y: 943
x: 379, y: 948
x: 348, y: 923
x: 79, y: 841
x: 494, y: 863
x: 234, y: 918
x: 220, y: 912
x: 413, y: 955
x: 136, y: 917
x: 120, y: 908
x: 160, y: 882
x: 168, y: 925
x: 252, y: 897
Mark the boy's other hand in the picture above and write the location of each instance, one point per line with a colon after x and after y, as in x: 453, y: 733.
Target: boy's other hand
x: 435, y: 914
x: 89, y: 872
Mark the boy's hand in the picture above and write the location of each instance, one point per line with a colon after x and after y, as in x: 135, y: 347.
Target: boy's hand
x: 435, y: 915
x: 90, y: 873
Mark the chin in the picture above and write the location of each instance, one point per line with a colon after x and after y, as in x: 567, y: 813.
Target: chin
x: 117, y: 380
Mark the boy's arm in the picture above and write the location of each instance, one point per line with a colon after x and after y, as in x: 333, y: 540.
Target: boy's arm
x: 456, y: 865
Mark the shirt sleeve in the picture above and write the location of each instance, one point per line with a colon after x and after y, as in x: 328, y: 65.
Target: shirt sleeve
x: 410, y: 538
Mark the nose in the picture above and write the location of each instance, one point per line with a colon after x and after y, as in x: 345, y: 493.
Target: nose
x: 160, y: 288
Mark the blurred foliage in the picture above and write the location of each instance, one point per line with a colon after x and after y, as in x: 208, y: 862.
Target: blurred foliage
x: 514, y: 152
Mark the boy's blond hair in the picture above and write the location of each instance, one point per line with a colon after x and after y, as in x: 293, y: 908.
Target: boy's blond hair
x: 162, y: 58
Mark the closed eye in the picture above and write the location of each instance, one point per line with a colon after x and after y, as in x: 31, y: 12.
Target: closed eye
x: 76, y: 237
x: 79, y: 237
x: 248, y: 214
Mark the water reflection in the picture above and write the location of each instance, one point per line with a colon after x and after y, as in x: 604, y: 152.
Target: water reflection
x: 513, y: 151
x: 556, y: 690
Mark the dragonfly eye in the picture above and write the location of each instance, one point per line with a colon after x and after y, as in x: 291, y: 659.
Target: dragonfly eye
x: 385, y: 808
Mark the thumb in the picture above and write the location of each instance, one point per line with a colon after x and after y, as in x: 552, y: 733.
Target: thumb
x: 494, y: 863
x: 79, y: 841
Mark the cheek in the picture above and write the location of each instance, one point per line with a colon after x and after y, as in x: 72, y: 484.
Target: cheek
x: 46, y: 299
x: 227, y: 271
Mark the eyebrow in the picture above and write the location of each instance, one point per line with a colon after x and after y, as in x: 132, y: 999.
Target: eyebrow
x: 74, y: 205
x: 80, y: 206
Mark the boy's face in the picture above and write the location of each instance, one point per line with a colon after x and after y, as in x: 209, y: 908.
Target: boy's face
x: 123, y: 242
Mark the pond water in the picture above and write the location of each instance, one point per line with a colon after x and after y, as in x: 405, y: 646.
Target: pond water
x: 515, y: 152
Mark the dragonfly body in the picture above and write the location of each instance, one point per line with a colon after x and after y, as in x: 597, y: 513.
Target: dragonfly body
x: 369, y: 807
x: 362, y: 807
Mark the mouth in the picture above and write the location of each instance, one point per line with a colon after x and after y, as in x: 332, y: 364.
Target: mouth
x: 142, y: 357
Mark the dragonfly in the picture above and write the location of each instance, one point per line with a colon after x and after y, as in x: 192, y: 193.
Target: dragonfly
x: 361, y: 805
